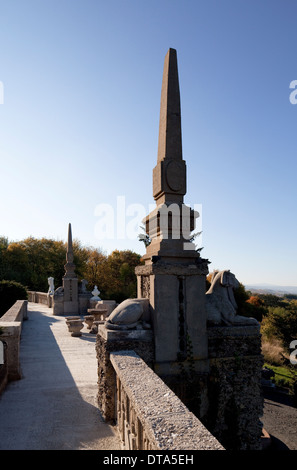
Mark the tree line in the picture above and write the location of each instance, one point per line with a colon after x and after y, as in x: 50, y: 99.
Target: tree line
x: 32, y: 261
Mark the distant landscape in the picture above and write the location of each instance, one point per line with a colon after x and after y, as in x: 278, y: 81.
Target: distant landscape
x: 271, y: 289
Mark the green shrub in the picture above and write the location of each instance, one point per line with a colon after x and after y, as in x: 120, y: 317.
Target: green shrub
x: 281, y: 323
x: 10, y: 292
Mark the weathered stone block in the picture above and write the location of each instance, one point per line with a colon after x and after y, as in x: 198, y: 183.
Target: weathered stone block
x: 234, y: 386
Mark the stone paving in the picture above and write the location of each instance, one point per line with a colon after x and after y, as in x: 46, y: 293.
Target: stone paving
x: 54, y: 405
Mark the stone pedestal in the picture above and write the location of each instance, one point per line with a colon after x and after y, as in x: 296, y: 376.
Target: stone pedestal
x: 176, y: 294
x: 107, y: 341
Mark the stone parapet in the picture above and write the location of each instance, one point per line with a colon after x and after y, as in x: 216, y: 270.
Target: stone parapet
x: 40, y: 298
x: 107, y: 342
x: 3, y: 365
x: 149, y: 415
x: 18, y: 312
x: 11, y: 327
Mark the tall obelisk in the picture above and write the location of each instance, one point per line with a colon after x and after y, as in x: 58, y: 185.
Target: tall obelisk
x: 170, y: 225
x: 70, y: 281
x: 174, y: 276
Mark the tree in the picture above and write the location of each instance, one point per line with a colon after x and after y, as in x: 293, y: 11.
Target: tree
x: 120, y: 279
x: 255, y: 300
x: 3, y: 257
x: 10, y: 292
x: 32, y: 261
x: 281, y: 323
x: 94, y: 270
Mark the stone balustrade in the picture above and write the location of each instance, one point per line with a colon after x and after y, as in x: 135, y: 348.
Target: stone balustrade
x: 11, y: 327
x: 40, y: 298
x: 149, y: 415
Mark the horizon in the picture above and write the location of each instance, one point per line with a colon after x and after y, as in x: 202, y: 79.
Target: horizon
x: 80, y: 87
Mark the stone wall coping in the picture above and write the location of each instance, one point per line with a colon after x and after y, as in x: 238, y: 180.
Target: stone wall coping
x: 10, y: 328
x: 18, y: 312
x: 166, y: 420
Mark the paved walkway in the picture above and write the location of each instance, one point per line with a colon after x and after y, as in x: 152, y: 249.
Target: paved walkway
x: 53, y: 407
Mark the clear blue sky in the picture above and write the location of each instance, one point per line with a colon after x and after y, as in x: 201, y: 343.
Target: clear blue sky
x: 79, y: 122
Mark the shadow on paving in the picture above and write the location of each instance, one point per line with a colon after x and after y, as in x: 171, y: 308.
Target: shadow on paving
x: 280, y: 419
x: 49, y: 408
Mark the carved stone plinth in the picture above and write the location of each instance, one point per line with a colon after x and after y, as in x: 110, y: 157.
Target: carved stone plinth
x: 176, y: 294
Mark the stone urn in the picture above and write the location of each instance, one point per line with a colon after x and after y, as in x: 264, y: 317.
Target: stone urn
x: 89, y: 321
x: 72, y: 318
x: 75, y: 326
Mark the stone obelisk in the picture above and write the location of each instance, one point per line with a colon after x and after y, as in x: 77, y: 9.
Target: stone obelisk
x: 70, y: 281
x: 174, y: 276
x: 169, y: 226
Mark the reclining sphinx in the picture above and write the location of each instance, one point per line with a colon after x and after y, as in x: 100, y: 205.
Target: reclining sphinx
x: 221, y: 306
x: 128, y: 315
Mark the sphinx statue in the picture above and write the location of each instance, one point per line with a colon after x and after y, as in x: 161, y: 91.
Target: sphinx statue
x: 129, y: 314
x: 221, y: 306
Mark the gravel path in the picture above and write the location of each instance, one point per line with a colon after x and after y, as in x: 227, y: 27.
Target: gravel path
x: 280, y: 420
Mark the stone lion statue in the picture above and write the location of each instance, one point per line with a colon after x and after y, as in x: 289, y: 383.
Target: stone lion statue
x: 221, y: 306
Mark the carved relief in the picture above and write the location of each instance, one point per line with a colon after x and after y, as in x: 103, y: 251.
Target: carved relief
x: 130, y: 427
x: 175, y: 175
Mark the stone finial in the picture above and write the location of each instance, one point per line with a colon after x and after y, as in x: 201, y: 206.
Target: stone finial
x: 69, y: 266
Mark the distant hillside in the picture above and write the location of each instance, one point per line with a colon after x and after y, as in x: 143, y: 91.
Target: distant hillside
x: 271, y: 289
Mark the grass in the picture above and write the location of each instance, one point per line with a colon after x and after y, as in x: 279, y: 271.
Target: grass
x: 276, y: 359
x: 283, y: 376
x: 273, y: 351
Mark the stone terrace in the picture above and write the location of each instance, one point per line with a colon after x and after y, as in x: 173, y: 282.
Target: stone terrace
x: 54, y: 405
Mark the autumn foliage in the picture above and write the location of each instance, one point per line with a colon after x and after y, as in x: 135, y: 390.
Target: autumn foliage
x: 31, y: 261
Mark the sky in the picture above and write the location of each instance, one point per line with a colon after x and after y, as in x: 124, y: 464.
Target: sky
x: 80, y: 86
